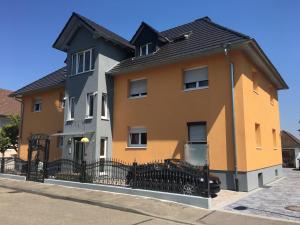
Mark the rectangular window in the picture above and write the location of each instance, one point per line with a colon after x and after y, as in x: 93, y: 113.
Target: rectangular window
x: 272, y: 95
x: 71, y: 108
x: 196, y: 78
x: 83, y: 61
x: 37, y: 105
x: 197, y: 133
x: 103, y: 148
x: 138, y: 88
x: 257, y: 135
x: 90, y: 105
x: 137, y: 137
x: 80, y: 63
x: 146, y: 49
x: 274, y: 139
x: 60, y: 140
x: 104, y: 108
x: 254, y: 80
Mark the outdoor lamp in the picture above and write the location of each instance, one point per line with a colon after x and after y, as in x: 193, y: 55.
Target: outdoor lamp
x: 84, y: 140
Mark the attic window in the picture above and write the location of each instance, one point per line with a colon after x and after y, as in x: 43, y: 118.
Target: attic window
x: 182, y: 37
x: 146, y: 49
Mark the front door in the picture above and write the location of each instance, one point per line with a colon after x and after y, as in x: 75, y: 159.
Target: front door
x: 288, y: 158
x: 78, y: 150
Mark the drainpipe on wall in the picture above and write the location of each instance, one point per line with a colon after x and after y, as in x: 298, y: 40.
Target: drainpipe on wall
x: 231, y: 69
x: 21, y: 124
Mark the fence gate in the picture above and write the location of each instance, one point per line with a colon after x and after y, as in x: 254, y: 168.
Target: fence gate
x: 38, y: 155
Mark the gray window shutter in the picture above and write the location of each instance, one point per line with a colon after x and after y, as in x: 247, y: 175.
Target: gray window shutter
x: 195, y: 75
x: 138, y: 86
x: 197, y: 133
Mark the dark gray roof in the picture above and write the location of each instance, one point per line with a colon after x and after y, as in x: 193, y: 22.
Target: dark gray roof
x: 54, y: 79
x: 99, y: 30
x: 204, y: 35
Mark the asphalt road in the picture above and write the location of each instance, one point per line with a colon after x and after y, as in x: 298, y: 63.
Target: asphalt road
x: 29, y: 203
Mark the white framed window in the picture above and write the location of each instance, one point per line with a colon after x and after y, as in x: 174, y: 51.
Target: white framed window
x: 62, y: 101
x: 137, y: 137
x: 138, y: 88
x: 83, y: 61
x: 104, y: 107
x: 71, y: 110
x: 145, y: 49
x: 37, y: 105
x: 196, y: 78
x: 90, y: 105
x: 103, y: 148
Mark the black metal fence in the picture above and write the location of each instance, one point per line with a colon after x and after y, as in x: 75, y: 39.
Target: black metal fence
x: 173, y: 176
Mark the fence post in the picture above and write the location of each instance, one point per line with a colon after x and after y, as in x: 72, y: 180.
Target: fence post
x: 134, y: 164
x: 2, y: 165
x: 83, y: 172
x: 46, y: 158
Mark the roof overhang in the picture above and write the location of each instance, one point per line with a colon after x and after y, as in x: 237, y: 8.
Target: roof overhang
x: 259, y: 58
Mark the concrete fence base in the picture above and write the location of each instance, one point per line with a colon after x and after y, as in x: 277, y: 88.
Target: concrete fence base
x: 184, y: 199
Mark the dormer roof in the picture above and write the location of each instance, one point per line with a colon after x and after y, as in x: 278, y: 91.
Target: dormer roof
x: 76, y: 21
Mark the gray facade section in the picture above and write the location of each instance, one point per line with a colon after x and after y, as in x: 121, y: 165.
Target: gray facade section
x: 78, y: 86
x: 249, y: 180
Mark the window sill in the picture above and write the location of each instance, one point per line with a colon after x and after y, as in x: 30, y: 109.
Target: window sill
x: 194, y: 89
x: 275, y: 149
x: 105, y: 118
x: 37, y: 111
x: 69, y: 120
x: 74, y: 75
x: 136, y: 147
x: 259, y: 148
x: 137, y: 97
x: 256, y: 92
x: 88, y: 117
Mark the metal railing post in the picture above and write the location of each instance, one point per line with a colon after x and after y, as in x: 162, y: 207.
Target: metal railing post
x: 83, y: 172
x: 134, y: 164
x: 2, y: 165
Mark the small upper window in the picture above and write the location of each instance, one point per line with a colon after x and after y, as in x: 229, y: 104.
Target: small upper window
x: 197, y: 133
x: 146, y: 49
x: 196, y: 78
x: 272, y: 96
x: 138, y: 88
x: 274, y: 138
x: 37, y: 106
x: 71, y: 108
x: 257, y: 135
x: 90, y: 104
x: 104, y: 108
x: 137, y: 137
x: 83, y: 61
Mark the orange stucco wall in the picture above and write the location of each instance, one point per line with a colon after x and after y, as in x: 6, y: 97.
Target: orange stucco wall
x: 48, y: 121
x: 167, y: 108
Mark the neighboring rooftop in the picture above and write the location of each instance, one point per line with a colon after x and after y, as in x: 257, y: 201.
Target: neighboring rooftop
x: 54, y: 79
x: 8, y: 106
x: 288, y: 140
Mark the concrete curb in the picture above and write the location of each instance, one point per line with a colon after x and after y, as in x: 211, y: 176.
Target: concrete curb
x: 12, y: 176
x: 184, y: 199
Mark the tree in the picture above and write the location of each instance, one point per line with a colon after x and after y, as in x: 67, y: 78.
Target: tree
x: 9, y: 134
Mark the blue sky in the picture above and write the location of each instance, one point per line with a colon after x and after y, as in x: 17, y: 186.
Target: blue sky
x: 29, y: 28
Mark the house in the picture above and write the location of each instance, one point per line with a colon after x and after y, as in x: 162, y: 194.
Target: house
x: 8, y: 107
x: 190, y: 92
x: 196, y: 85
x: 290, y: 150
x: 42, y: 111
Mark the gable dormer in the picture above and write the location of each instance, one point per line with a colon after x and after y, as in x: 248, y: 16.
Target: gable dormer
x: 147, y: 40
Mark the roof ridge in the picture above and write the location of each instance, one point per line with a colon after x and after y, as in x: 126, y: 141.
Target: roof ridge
x: 209, y: 21
x: 91, y: 23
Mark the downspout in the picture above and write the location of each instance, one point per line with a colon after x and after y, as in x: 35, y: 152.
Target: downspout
x: 21, y: 124
x: 231, y: 71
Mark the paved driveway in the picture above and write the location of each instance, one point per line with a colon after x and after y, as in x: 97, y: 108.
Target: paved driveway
x: 273, y: 199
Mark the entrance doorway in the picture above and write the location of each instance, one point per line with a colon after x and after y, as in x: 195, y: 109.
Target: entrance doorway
x: 288, y: 158
x: 78, y: 150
